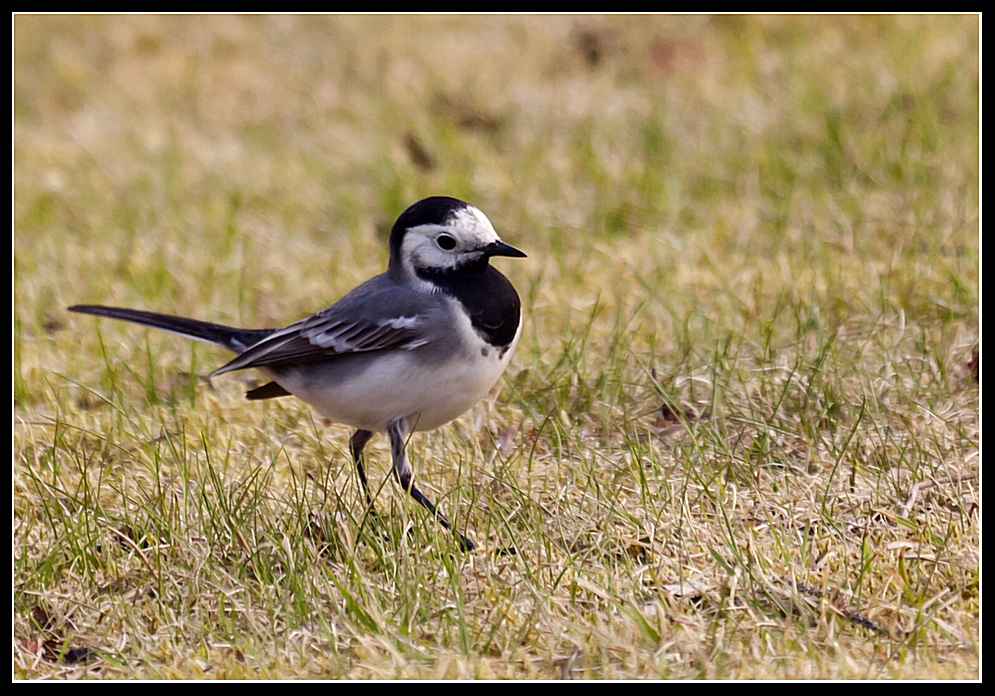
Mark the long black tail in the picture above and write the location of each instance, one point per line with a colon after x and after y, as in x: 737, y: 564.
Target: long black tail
x: 235, y: 340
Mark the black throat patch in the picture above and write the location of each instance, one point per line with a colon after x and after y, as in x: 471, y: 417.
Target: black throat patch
x: 489, y: 298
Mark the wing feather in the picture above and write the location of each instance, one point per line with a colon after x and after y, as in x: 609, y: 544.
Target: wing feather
x: 326, y: 335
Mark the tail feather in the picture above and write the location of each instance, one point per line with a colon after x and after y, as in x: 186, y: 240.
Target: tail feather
x: 235, y: 340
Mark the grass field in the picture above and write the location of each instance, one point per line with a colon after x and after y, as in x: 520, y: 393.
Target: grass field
x: 740, y: 436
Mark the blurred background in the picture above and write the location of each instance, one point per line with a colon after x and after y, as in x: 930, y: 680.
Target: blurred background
x: 169, y: 161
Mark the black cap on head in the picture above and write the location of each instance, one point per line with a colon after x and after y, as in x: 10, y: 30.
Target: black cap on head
x: 437, y: 210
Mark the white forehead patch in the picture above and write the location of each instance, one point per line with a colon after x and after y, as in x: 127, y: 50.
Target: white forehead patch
x: 472, y: 224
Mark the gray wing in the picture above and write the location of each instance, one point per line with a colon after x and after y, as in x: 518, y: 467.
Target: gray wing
x: 377, y: 315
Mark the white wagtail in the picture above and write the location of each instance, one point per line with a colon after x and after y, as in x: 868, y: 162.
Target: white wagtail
x: 410, y: 349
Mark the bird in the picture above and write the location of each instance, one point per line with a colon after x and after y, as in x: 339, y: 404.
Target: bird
x: 409, y: 350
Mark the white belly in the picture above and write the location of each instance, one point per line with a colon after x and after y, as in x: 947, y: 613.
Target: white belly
x: 371, y: 391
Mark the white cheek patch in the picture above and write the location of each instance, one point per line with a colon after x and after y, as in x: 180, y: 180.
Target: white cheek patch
x: 421, y: 251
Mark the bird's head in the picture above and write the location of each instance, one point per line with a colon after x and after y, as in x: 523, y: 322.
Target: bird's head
x: 443, y: 235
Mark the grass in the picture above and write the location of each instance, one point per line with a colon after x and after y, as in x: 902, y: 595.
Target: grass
x: 740, y: 437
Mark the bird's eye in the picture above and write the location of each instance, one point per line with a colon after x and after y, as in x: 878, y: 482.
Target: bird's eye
x: 446, y: 242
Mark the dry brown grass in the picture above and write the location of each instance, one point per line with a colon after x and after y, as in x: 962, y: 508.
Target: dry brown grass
x: 740, y: 437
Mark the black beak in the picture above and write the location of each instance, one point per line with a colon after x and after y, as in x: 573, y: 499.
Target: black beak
x: 502, y: 249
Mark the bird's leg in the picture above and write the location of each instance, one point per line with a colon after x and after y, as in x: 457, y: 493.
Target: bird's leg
x: 398, y: 433
x: 356, y: 444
